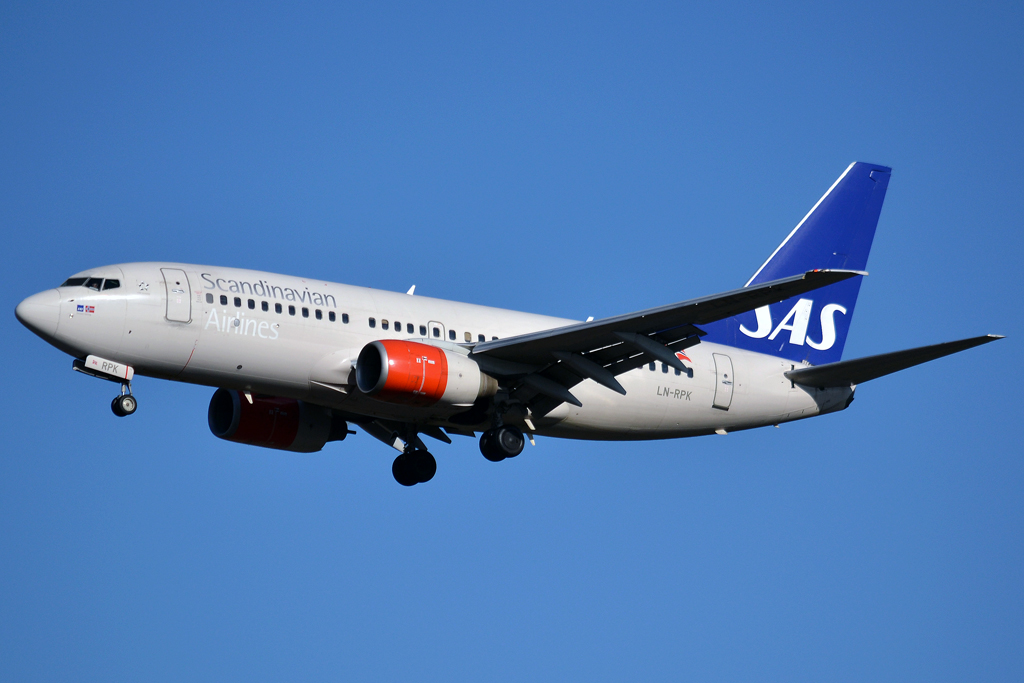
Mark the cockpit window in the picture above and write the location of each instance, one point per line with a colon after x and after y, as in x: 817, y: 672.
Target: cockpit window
x: 94, y: 283
x: 111, y: 284
x: 74, y: 282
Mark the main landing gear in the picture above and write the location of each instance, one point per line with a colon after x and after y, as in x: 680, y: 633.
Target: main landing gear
x: 125, y: 404
x: 414, y: 466
x: 502, y: 442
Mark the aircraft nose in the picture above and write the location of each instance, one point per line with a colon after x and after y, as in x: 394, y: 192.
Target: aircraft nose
x: 40, y: 313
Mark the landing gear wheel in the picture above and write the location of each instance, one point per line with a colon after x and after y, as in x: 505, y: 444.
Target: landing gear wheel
x: 124, y: 405
x: 403, y: 471
x: 422, y: 465
x: 510, y: 440
x: 488, y: 447
x: 504, y: 442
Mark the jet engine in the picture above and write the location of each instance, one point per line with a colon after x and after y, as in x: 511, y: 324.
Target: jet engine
x: 417, y: 374
x: 283, y: 423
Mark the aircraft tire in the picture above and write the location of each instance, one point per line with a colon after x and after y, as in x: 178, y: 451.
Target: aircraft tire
x: 509, y: 440
x: 489, y: 448
x: 124, y: 405
x: 128, y: 404
x: 402, y: 471
x: 423, y: 465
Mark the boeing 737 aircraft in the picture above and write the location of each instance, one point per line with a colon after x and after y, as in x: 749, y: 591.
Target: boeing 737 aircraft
x: 296, y: 362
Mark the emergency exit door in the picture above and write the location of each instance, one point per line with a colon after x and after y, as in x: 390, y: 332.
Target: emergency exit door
x: 179, y: 304
x: 723, y: 381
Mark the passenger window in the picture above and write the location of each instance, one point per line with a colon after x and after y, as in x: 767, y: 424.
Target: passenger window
x: 409, y: 328
x: 252, y: 305
x: 209, y: 298
x: 291, y: 310
x: 664, y: 368
x: 344, y: 318
x: 652, y: 366
x: 423, y: 330
x: 373, y: 322
x: 265, y: 306
x: 481, y: 337
x: 238, y: 302
x: 330, y: 316
x: 437, y: 331
x: 384, y: 324
x: 677, y: 372
x: 74, y: 282
x: 469, y: 337
x: 305, y: 312
x: 319, y: 315
x: 451, y: 334
x: 277, y: 308
x: 94, y: 283
x: 111, y: 284
x: 494, y: 339
x: 223, y: 300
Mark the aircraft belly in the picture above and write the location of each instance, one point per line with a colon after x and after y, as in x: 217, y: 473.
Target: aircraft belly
x: 661, y: 405
x: 657, y: 404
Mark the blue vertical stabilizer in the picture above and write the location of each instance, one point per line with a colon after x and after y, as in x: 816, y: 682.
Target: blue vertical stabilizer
x: 836, y: 233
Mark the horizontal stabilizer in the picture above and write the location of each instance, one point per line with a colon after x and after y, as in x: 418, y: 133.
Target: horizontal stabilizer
x: 860, y: 370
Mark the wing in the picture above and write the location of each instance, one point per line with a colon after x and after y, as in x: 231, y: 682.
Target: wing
x: 540, y: 368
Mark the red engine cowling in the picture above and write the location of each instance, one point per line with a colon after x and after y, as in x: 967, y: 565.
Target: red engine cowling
x: 283, y: 423
x: 417, y: 374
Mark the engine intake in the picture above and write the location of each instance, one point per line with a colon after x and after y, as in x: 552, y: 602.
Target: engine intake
x: 417, y: 374
x: 271, y: 422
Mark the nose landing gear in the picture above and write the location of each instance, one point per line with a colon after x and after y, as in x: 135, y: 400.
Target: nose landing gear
x: 125, y: 404
x: 111, y: 371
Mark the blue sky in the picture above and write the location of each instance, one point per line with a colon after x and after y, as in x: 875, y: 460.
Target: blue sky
x: 569, y: 159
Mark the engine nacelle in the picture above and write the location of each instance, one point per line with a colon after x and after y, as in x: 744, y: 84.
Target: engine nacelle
x: 283, y: 423
x: 417, y: 374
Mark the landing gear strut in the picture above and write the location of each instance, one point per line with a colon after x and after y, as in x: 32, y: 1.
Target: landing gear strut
x: 415, y: 466
x: 502, y: 442
x: 125, y: 404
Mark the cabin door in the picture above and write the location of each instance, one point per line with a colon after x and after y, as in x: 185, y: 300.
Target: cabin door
x: 723, y: 381
x: 179, y: 301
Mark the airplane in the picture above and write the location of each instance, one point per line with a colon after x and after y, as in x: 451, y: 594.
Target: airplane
x: 296, y: 362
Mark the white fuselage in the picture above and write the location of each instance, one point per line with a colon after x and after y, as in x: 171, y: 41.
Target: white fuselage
x: 211, y: 329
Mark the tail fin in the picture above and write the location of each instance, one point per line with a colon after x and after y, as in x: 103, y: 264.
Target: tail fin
x: 836, y: 233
